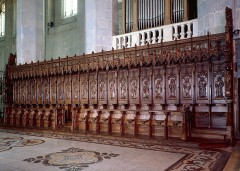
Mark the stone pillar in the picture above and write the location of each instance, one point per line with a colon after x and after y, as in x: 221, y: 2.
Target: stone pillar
x: 123, y: 16
x: 167, y: 16
x: 135, y: 15
x: 30, y: 31
x: 185, y: 10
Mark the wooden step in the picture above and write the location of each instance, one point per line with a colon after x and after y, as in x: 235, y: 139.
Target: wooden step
x: 210, y: 133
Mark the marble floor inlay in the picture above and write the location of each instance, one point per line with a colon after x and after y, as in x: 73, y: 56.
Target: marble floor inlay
x: 72, y: 158
x: 74, y: 151
x: 6, y: 143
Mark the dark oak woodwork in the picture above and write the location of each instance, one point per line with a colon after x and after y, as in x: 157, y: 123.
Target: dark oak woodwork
x: 91, y: 90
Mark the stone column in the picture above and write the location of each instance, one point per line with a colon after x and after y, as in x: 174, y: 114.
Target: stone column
x: 135, y: 15
x: 185, y: 10
x: 123, y: 16
x: 30, y: 31
x: 167, y: 16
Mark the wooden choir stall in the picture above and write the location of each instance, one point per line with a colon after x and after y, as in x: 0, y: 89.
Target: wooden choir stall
x: 167, y: 89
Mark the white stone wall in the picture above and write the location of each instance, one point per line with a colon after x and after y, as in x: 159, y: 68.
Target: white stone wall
x: 211, y: 15
x: 30, y: 31
x: 99, y: 25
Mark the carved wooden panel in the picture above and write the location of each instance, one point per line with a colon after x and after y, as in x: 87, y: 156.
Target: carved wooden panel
x: 60, y: 90
x: 146, y: 86
x: 46, y: 91
x: 53, y: 92
x: 218, y: 83
x: 172, y: 85
x: 84, y: 91
x: 202, y: 83
x: 16, y: 92
x: 158, y: 85
x: 33, y: 91
x: 39, y: 90
x: 123, y: 87
x: 134, y: 86
x: 102, y: 87
x: 202, y: 119
x: 28, y: 91
x: 22, y: 92
x: 186, y: 84
x: 93, y: 89
x: 75, y: 89
x: 112, y: 87
x: 68, y: 89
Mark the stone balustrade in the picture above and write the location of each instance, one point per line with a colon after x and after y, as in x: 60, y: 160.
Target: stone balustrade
x: 164, y: 33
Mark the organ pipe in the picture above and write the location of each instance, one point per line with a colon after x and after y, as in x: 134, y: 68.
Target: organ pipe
x: 150, y: 13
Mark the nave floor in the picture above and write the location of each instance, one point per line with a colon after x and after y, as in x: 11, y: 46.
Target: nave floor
x: 23, y: 150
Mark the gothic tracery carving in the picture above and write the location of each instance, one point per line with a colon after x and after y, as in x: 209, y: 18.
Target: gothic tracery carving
x: 134, y: 88
x: 219, y: 84
x: 172, y: 87
x: 84, y: 90
x: 158, y: 88
x: 187, y: 87
x: 123, y: 89
x: 146, y: 91
x: 102, y: 90
x: 202, y: 84
x: 93, y: 90
x: 112, y: 89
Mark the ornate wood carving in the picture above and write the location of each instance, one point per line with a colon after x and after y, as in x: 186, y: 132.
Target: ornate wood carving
x: 39, y: 90
x: 123, y: 87
x: 112, y: 87
x: 146, y: 86
x: 75, y: 89
x: 202, y: 83
x: 84, y: 91
x: 28, y: 91
x: 186, y: 84
x: 68, y: 89
x: 172, y: 85
x: 33, y: 91
x: 134, y: 86
x: 93, y: 88
x: 16, y: 92
x: 158, y: 85
x: 60, y: 90
x: 219, y: 82
x: 22, y: 91
x: 53, y: 88
x: 102, y: 87
x: 46, y: 90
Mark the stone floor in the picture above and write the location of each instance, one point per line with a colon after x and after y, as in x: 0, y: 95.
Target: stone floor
x: 25, y: 150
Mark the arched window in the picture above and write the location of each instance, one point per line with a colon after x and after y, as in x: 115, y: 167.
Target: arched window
x: 70, y: 8
x: 2, y: 20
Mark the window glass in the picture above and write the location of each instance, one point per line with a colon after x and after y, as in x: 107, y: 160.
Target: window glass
x: 2, y: 20
x: 70, y: 8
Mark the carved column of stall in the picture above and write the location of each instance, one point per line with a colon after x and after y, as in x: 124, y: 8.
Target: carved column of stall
x: 167, y: 14
x: 19, y: 117
x: 132, y: 116
x: 103, y: 125
x: 93, y: 120
x: 146, y: 101
x: 185, y: 10
x: 46, y: 118
x: 12, y: 113
x: 229, y: 73
x: 112, y: 100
